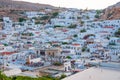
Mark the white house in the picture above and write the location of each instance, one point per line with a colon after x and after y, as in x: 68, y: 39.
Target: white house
x: 65, y: 19
x: 7, y: 23
x: 33, y: 14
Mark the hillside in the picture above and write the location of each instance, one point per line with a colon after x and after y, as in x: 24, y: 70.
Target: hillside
x: 112, y: 12
x: 21, y: 5
x: 13, y: 9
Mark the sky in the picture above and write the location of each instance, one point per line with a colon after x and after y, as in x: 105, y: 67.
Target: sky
x: 80, y: 4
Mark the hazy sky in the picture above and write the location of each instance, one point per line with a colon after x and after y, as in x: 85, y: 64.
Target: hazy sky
x: 80, y: 4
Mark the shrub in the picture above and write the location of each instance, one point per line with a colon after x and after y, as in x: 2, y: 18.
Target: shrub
x: 88, y: 50
x: 37, y: 22
x: 97, y: 16
x: 57, y: 26
x: 57, y: 63
x: 55, y: 14
x: 44, y: 18
x: 5, y: 44
x: 72, y: 26
x: 22, y: 19
x: 31, y: 34
x: 87, y: 17
x: 84, y: 49
x: 68, y: 57
x: 64, y: 43
x: 63, y: 76
x: 78, y: 17
x: 98, y: 11
x: 83, y: 30
x: 82, y: 22
x: 1, y: 20
x: 117, y: 33
x: 4, y: 77
x: 112, y: 44
x: 75, y: 35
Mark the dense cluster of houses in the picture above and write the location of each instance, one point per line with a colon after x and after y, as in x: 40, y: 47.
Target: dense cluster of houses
x: 26, y: 43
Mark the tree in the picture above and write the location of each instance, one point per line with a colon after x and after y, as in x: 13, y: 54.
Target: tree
x: 57, y: 26
x: 78, y: 17
x: 72, y: 26
x: 83, y: 30
x: 64, y: 43
x: 87, y: 17
x: 37, y: 22
x: 88, y: 50
x: 3, y: 77
x: 1, y: 20
x: 83, y: 49
x: 117, y: 33
x: 108, y: 38
x: 44, y: 18
x: 22, y: 19
x: 75, y: 35
x: 55, y: 14
x: 63, y: 76
x: 68, y: 57
x: 97, y: 16
x: 5, y: 44
x: 57, y: 63
x: 98, y: 11
x: 111, y: 43
x: 31, y: 34
x: 82, y: 23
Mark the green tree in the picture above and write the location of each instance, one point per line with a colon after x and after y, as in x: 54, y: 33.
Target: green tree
x: 82, y: 23
x: 37, y: 22
x: 84, y: 49
x: 68, y: 57
x: 57, y: 26
x: 75, y: 35
x: 117, y: 33
x: 98, y: 11
x: 88, y: 50
x: 3, y: 77
x: 22, y: 19
x: 111, y: 43
x: 97, y: 16
x: 44, y: 18
x: 87, y: 17
x: 83, y: 30
x: 57, y: 63
x: 78, y: 17
x: 72, y: 26
x: 63, y: 76
x: 31, y: 34
x: 1, y: 19
x: 55, y: 14
x: 64, y: 43
x: 5, y: 44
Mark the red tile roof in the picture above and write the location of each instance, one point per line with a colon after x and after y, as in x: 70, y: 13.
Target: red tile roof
x: 76, y: 44
x: 7, y: 53
x: 108, y: 27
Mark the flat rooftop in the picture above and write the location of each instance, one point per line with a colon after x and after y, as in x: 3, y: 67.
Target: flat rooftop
x: 96, y: 74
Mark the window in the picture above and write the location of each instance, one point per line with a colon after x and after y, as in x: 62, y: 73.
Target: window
x: 49, y: 53
x: 53, y: 54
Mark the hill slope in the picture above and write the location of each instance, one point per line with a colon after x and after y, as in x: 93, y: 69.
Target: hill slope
x: 13, y: 9
x: 112, y: 12
x: 20, y: 5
